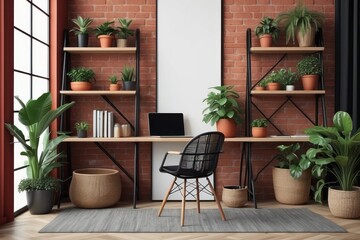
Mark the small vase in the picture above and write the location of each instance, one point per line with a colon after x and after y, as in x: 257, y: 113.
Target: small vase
x: 290, y: 87
x: 121, y: 42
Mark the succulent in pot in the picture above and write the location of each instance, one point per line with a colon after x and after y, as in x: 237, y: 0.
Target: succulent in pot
x: 81, y: 78
x: 309, y: 68
x: 223, y: 109
x: 114, y: 86
x: 105, y: 33
x: 301, y: 23
x: 82, y: 30
x: 82, y: 128
x: 124, y: 32
x: 259, y: 127
x: 267, y: 31
x: 128, y: 78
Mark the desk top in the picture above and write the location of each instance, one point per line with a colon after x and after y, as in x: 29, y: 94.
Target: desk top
x: 174, y: 139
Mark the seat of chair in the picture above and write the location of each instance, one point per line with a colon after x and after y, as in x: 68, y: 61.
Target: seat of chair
x: 185, y: 173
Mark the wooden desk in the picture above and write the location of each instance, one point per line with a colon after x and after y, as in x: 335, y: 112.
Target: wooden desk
x: 148, y: 139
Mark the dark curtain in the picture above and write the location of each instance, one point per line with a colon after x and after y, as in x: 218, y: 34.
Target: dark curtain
x: 347, y: 45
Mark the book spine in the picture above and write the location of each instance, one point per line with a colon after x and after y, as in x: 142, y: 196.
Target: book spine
x: 94, y: 123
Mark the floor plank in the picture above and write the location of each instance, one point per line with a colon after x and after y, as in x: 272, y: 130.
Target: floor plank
x: 26, y: 226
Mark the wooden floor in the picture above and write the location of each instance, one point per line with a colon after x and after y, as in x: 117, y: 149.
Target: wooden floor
x: 26, y: 226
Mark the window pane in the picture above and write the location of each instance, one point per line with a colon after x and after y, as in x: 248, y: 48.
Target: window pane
x: 19, y: 160
x: 40, y: 25
x: 19, y: 198
x: 42, y: 4
x: 22, y: 15
x: 21, y: 51
x: 21, y: 89
x: 40, y: 86
x: 40, y: 59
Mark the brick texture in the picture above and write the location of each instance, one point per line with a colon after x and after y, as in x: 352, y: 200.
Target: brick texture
x: 238, y: 16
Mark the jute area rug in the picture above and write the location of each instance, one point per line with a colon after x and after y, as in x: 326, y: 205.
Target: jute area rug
x: 114, y: 220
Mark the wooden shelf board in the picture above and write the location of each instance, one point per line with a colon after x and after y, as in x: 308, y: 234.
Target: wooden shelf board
x: 274, y: 50
x: 100, y: 50
x: 283, y: 92
x: 159, y: 139
x: 97, y: 93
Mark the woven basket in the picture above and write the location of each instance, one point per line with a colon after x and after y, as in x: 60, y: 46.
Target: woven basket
x: 234, y: 196
x: 344, y: 204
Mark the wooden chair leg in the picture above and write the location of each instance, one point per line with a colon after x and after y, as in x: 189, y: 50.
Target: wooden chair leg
x: 183, y: 204
x: 197, y: 195
x: 166, y: 197
x: 217, y: 201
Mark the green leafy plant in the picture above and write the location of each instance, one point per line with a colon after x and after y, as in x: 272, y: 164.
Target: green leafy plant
x: 81, y: 74
x: 124, y: 31
x: 259, y: 122
x: 127, y: 74
x: 309, y: 65
x: 336, y: 150
x: 267, y: 26
x: 105, y: 29
x: 82, y: 25
x: 113, y: 79
x: 283, y: 76
x: 288, y: 158
x: 83, y: 125
x: 299, y: 19
x: 36, y: 116
x: 222, y: 104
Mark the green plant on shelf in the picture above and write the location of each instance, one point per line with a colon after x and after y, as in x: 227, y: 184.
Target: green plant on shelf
x: 267, y: 26
x: 81, y: 74
x: 82, y: 25
x: 309, y: 65
x: 105, y: 29
x: 260, y: 122
x: 113, y: 79
x: 124, y: 32
x: 128, y: 74
x: 82, y: 126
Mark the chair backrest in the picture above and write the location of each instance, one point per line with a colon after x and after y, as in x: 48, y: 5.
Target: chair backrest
x: 200, y: 155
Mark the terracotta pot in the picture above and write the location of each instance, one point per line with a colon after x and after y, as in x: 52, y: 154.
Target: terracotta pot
x: 95, y: 187
x: 259, y: 132
x: 227, y: 127
x: 310, y: 82
x: 234, y: 196
x: 121, y: 42
x: 114, y: 87
x: 265, y: 40
x: 258, y: 88
x: 344, y: 204
x: 106, y: 40
x: 80, y: 86
x: 273, y: 86
x: 307, y: 39
x: 289, y: 190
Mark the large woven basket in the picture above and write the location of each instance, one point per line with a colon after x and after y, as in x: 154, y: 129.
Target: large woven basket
x: 344, y: 204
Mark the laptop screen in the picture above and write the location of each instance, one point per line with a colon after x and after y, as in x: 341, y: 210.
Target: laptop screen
x: 166, y: 124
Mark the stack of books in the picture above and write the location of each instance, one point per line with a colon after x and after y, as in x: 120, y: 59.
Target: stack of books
x: 103, y: 124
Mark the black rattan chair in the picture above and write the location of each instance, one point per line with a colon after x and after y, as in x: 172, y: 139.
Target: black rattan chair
x: 198, y: 160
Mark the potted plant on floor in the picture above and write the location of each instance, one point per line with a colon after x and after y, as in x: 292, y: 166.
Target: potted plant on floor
x: 81, y: 78
x: 267, y: 31
x: 36, y: 117
x: 291, y: 175
x: 81, y: 129
x: 114, y: 86
x: 259, y: 127
x: 128, y: 78
x: 337, y: 151
x: 302, y: 23
x: 223, y: 109
x: 81, y: 30
x: 124, y: 32
x: 309, y: 68
x: 105, y: 33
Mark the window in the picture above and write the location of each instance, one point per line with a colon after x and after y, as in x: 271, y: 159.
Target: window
x: 31, y: 70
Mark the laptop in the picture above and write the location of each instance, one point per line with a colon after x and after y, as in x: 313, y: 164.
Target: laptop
x: 166, y: 125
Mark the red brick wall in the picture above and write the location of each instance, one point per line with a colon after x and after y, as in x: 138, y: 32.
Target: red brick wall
x: 238, y: 16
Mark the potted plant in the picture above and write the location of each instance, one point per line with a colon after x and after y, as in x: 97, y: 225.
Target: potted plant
x: 81, y: 30
x: 114, y: 86
x: 291, y: 175
x: 36, y: 117
x: 267, y: 31
x: 309, y: 68
x: 223, y: 109
x: 128, y: 78
x: 261, y: 85
x: 272, y: 81
x: 81, y: 129
x: 259, y: 127
x: 287, y: 78
x: 124, y: 32
x: 80, y: 78
x: 105, y: 33
x: 337, y: 151
x: 302, y: 23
